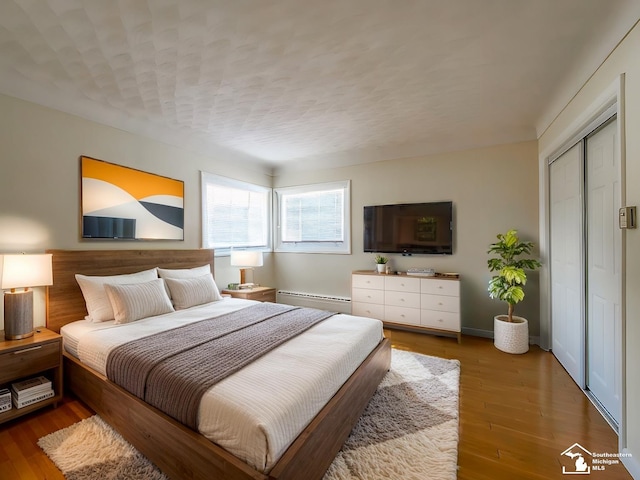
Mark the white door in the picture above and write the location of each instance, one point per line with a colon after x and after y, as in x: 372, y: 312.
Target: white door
x: 604, y: 316
x: 567, y: 260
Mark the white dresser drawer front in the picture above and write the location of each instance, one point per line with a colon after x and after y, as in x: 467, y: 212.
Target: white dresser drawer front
x: 370, y: 310
x: 440, y: 320
x: 440, y: 287
x: 375, y: 282
x: 402, y: 315
x: 366, y: 295
x: 402, y: 299
x: 402, y: 284
x: 440, y: 302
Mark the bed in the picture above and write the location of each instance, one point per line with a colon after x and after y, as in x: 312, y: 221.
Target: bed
x: 178, y: 451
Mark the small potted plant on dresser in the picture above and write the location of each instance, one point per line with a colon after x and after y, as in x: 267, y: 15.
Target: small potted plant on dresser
x: 381, y: 263
x: 511, y: 333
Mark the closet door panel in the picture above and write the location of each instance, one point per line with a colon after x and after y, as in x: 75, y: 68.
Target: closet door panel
x: 566, y: 255
x: 604, y: 319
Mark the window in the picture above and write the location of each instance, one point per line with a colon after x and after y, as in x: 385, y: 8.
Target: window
x: 314, y: 218
x: 234, y: 214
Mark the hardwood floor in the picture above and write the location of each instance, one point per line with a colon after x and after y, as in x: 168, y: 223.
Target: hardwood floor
x: 20, y: 456
x: 518, y: 413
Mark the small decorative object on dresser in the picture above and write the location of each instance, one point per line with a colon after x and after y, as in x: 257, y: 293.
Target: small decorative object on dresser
x: 381, y: 263
x: 510, y: 332
x: 262, y: 294
x: 429, y: 304
x: 36, y: 360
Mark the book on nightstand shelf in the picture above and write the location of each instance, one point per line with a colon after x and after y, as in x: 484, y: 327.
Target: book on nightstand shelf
x: 30, y: 391
x: 5, y: 399
x: 19, y: 403
x: 31, y: 386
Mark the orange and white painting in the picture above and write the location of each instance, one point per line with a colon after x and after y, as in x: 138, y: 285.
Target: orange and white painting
x: 124, y: 203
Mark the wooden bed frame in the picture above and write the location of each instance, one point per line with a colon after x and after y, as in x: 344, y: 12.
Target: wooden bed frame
x: 182, y: 453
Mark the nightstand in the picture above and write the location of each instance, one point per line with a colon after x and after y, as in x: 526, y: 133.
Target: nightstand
x: 262, y: 294
x: 40, y: 354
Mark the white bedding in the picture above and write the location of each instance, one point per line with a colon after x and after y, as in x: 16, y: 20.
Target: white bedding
x: 257, y: 412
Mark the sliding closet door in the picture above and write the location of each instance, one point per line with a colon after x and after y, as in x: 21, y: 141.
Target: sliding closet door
x: 567, y: 260
x: 604, y: 315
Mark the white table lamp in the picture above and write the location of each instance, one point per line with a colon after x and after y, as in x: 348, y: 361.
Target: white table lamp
x: 246, y: 259
x: 17, y: 274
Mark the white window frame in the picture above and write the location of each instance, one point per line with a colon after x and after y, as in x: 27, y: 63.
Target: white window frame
x: 213, y: 179
x: 343, y: 247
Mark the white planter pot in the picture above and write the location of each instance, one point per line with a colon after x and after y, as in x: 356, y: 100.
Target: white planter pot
x: 382, y: 267
x: 511, y: 337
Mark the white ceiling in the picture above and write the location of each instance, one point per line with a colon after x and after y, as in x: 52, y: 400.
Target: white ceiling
x: 310, y: 83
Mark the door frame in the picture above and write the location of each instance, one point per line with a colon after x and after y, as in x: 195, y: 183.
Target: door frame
x: 609, y: 102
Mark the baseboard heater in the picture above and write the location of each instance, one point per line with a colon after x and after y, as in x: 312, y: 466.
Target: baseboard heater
x: 312, y: 300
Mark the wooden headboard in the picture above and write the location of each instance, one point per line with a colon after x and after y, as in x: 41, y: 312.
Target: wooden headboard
x: 65, y: 302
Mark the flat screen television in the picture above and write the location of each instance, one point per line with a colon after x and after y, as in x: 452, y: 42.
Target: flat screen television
x: 410, y: 228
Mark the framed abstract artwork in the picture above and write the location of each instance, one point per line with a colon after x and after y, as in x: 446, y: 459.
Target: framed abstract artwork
x: 123, y: 203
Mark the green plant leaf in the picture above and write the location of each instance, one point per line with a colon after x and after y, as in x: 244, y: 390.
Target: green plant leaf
x: 514, y: 275
x: 510, y: 238
x: 495, y: 264
x: 381, y: 260
x: 514, y: 294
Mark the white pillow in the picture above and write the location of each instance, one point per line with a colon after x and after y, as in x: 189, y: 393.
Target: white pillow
x: 188, y: 292
x: 138, y: 300
x: 98, y: 305
x: 165, y: 273
x: 184, y: 272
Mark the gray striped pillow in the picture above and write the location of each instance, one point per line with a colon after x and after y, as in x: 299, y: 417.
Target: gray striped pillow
x: 141, y: 300
x: 189, y: 292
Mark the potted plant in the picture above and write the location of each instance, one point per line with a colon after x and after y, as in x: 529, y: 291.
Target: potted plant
x: 381, y: 262
x: 511, y: 333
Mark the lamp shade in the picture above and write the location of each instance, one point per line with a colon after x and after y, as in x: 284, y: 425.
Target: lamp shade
x: 22, y: 271
x: 246, y: 258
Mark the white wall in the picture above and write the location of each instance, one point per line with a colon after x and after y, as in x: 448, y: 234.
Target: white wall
x: 40, y: 183
x: 623, y: 60
x: 492, y: 189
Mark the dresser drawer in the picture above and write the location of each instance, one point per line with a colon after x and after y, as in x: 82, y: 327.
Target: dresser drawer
x: 402, y: 315
x: 402, y: 284
x: 375, y: 282
x: 28, y: 361
x: 402, y: 299
x: 440, y: 302
x: 370, y: 310
x: 440, y: 287
x: 440, y: 320
x: 366, y: 295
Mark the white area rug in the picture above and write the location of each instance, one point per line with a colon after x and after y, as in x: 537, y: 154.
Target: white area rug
x: 408, y: 431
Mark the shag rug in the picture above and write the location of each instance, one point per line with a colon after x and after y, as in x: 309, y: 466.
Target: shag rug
x: 408, y: 431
